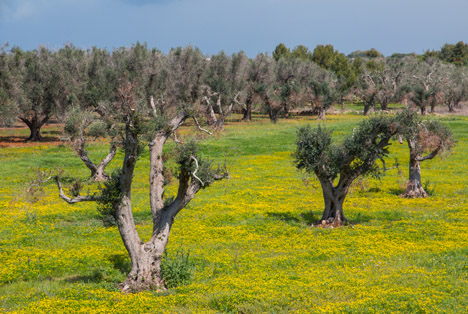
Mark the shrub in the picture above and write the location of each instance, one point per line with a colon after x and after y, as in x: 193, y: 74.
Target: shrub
x: 177, y: 270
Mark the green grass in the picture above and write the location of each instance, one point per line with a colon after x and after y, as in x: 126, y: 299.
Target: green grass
x: 250, y: 237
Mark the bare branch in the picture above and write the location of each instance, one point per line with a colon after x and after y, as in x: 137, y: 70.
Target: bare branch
x: 153, y: 106
x: 194, y: 174
x: 88, y: 198
x: 174, y: 137
x: 431, y: 155
x: 200, y: 127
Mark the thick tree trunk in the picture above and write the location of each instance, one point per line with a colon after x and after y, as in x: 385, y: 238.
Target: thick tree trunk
x: 247, y: 112
x: 35, y: 124
x: 414, y: 189
x: 333, y: 199
x: 286, y: 109
x: 450, y: 106
x: 274, y: 114
x: 383, y: 105
x: 368, y: 105
x: 146, y: 257
x: 366, y: 109
x: 423, y: 109
x: 321, y: 113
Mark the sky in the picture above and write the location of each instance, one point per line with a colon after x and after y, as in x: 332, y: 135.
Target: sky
x: 253, y: 26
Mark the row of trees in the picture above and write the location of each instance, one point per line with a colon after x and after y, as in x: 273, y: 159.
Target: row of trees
x: 37, y: 85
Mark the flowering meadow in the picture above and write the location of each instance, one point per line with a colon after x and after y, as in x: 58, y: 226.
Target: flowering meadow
x: 251, y: 238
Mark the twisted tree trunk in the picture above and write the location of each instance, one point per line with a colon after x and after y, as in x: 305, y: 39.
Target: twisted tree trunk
x: 35, y: 124
x: 321, y: 113
x: 333, y: 199
x: 414, y: 188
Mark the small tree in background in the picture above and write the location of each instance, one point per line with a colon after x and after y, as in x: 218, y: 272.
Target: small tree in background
x: 281, y: 51
x: 323, y: 90
x: 225, y: 83
x: 422, y: 82
x: 426, y: 139
x: 337, y: 165
x: 38, y: 93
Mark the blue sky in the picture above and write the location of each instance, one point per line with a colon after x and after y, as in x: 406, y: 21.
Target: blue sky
x: 250, y: 25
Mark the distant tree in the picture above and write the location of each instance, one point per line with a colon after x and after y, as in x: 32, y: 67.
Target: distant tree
x: 38, y: 91
x: 225, y: 83
x: 337, y: 165
x: 371, y: 53
x: 455, y: 87
x: 324, y: 91
x: 301, y: 52
x: 426, y: 139
x: 7, y: 88
x: 457, y: 54
x: 422, y: 82
x: 379, y: 82
x: 260, y: 80
x: 330, y: 59
x: 281, y: 51
x: 182, y: 93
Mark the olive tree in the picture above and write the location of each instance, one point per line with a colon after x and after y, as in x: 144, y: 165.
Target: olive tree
x: 378, y: 82
x: 456, y: 87
x: 182, y: 92
x: 225, y: 81
x: 426, y: 139
x: 336, y: 166
x: 422, y: 82
x: 42, y: 86
x: 323, y: 89
x: 259, y: 76
x: 7, y: 88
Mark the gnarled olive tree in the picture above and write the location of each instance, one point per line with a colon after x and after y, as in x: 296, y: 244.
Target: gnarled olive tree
x: 426, y: 139
x: 337, y: 165
x: 182, y: 91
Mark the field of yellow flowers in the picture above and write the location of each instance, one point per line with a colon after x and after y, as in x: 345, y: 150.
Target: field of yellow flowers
x: 250, y: 238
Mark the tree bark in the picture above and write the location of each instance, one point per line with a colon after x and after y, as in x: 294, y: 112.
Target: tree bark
x: 383, y: 105
x: 450, y: 106
x: 247, y: 110
x: 146, y: 257
x: 423, y: 109
x: 414, y: 189
x: 321, y: 113
x: 333, y: 200
x: 97, y: 172
x: 35, y: 124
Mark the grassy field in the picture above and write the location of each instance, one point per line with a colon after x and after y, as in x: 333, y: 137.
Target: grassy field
x: 250, y: 237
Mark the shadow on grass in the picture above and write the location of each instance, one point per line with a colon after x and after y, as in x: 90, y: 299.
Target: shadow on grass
x: 22, y: 139
x: 307, y: 218
x: 396, y: 191
x: 121, y: 262
x: 95, y: 277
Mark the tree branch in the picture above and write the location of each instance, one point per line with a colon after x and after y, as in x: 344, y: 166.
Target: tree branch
x: 194, y: 174
x: 88, y: 198
x: 200, y: 127
x: 431, y: 155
